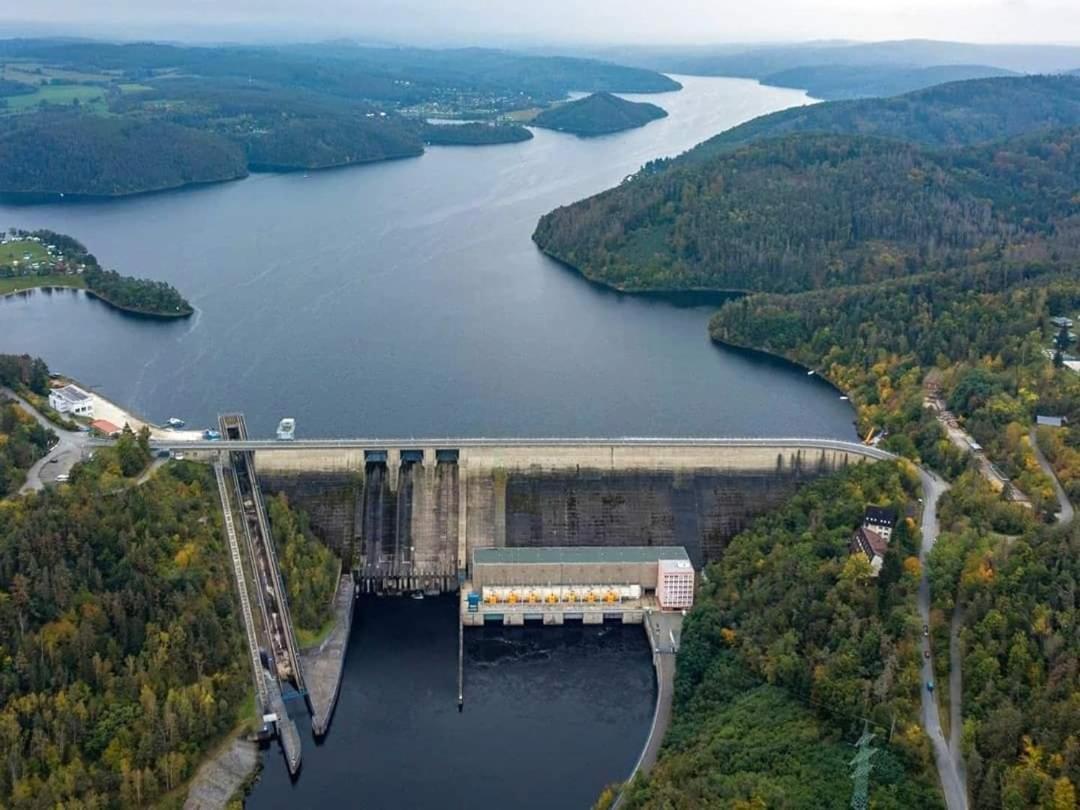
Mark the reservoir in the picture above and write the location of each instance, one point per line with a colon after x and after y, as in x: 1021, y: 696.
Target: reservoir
x: 407, y: 298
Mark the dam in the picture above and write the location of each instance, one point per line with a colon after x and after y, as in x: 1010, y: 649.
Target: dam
x: 408, y: 514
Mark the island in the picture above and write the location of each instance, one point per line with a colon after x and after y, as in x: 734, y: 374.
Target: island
x: 474, y: 133
x: 598, y: 114
x: 45, y: 259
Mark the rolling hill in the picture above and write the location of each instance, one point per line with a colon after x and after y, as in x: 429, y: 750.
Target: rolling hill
x: 598, y: 114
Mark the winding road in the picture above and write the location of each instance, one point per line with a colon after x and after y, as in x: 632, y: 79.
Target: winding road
x: 62, y: 456
x: 947, y: 754
x: 1065, y: 513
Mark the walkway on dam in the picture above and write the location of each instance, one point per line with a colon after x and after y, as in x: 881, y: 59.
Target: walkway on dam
x: 665, y: 633
x: 782, y: 442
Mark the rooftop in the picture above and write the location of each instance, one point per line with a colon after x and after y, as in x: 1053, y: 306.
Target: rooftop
x: 871, y: 540
x: 880, y: 515
x: 579, y: 554
x: 71, y: 393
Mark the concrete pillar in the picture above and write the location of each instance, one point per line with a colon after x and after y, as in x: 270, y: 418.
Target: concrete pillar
x: 393, y: 466
x: 463, y: 513
x: 429, y: 458
x: 500, y: 509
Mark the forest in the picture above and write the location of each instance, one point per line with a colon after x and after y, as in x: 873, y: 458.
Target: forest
x: 598, y: 114
x: 474, y: 134
x: 120, y: 651
x: 983, y: 333
x: 811, y: 211
x: 22, y: 442
x: 950, y: 115
x: 141, y: 295
x: 832, y: 82
x: 791, y: 647
x: 309, y: 568
x: 80, y: 154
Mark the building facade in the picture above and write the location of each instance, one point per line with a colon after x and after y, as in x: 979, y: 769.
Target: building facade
x: 71, y: 400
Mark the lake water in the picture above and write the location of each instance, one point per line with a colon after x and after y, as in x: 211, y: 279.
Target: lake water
x: 406, y: 298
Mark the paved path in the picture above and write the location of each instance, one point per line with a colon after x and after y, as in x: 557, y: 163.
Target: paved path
x: 61, y: 457
x: 665, y: 633
x: 323, y: 665
x: 953, y: 778
x: 1065, y: 513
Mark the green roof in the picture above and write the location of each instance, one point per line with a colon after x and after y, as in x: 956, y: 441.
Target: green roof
x: 578, y: 554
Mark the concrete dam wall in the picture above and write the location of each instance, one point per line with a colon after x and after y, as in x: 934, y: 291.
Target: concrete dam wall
x: 409, y: 518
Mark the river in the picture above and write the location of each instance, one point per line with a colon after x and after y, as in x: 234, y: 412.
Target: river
x: 406, y: 298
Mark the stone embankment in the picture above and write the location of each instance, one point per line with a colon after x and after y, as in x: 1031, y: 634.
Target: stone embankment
x: 324, y: 664
x: 222, y: 776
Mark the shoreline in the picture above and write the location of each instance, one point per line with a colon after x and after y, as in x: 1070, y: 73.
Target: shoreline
x: 142, y: 313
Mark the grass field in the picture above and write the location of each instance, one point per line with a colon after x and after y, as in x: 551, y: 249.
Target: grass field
x: 38, y: 72
x: 92, y: 97
x: 10, y: 285
x: 14, y: 251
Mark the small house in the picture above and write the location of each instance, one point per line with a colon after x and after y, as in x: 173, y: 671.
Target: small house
x: 105, y: 427
x: 1050, y: 421
x: 881, y: 520
x: 71, y: 399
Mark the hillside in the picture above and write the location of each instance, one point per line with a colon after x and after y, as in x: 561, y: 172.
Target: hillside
x: 811, y: 211
x: 474, y: 134
x: 756, y: 61
x: 88, y: 155
x: 832, y: 82
x: 954, y: 114
x: 598, y: 114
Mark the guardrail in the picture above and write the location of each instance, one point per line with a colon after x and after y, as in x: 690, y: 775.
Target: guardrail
x: 793, y: 442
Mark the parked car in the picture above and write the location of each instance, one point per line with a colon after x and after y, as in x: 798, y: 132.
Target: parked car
x: 929, y: 686
x: 925, y: 630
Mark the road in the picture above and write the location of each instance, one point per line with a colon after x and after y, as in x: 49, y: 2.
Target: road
x: 1065, y: 513
x: 69, y: 449
x: 946, y: 754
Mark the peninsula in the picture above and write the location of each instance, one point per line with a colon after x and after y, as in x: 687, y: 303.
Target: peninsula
x: 44, y: 259
x: 598, y: 114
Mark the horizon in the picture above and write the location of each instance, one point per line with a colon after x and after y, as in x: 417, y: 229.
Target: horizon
x: 674, y: 24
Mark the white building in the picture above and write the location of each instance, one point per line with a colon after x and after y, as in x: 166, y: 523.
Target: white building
x: 71, y: 399
x: 675, y: 584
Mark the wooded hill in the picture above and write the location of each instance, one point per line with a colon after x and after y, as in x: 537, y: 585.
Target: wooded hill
x: 954, y: 114
x: 598, y: 114
x: 834, y: 82
x: 810, y: 211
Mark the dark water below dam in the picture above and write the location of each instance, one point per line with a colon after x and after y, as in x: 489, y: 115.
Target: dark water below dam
x: 551, y: 715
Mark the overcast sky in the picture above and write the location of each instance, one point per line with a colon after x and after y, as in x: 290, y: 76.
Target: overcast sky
x: 554, y: 21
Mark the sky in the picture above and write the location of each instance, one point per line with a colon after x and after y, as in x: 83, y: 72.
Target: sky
x: 553, y: 21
